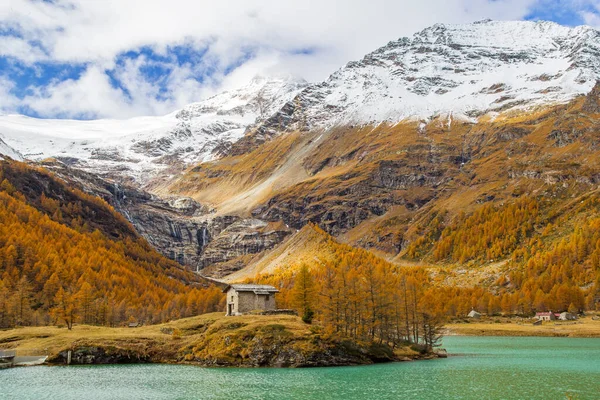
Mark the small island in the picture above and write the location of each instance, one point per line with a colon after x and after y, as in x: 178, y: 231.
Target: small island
x: 208, y: 340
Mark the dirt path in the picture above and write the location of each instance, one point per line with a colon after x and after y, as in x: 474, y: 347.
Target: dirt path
x: 289, y: 173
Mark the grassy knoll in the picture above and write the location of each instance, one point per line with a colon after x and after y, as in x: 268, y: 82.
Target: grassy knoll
x: 584, y: 327
x: 210, y: 340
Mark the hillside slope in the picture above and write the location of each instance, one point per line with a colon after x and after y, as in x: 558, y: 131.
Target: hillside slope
x: 68, y: 256
x: 464, y: 148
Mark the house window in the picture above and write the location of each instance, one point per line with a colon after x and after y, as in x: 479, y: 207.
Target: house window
x: 267, y: 297
x: 231, y: 297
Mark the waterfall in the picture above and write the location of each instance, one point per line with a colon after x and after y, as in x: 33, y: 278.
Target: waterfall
x: 204, y: 237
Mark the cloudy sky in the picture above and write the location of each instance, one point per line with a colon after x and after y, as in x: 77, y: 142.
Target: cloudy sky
x: 121, y: 58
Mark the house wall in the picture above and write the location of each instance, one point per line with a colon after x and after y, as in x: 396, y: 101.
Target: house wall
x: 263, y: 304
x: 246, y: 302
x: 567, y: 316
x: 232, y: 300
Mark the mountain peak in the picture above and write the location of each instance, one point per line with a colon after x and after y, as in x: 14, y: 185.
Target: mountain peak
x: 141, y: 147
x: 262, y: 95
x: 469, y: 70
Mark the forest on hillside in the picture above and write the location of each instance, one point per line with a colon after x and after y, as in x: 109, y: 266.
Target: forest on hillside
x: 551, y: 250
x: 68, y: 257
x: 361, y: 296
x: 352, y: 291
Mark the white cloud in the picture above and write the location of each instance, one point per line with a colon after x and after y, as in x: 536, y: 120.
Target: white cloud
x: 96, y: 32
x: 84, y: 97
x: 8, y: 102
x: 591, y: 18
x: 18, y: 48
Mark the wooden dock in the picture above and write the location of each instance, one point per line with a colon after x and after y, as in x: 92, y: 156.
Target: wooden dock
x: 10, y: 358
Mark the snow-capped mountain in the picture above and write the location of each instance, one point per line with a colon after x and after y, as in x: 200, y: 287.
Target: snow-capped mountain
x: 464, y: 70
x: 6, y: 150
x: 140, y: 147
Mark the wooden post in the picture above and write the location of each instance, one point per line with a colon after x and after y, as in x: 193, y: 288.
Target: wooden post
x: 69, y: 357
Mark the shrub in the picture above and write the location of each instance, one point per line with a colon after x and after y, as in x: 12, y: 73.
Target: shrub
x: 308, y: 315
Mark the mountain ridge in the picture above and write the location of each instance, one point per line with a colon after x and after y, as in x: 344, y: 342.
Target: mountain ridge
x: 457, y: 71
x: 386, y: 185
x: 452, y: 69
x: 140, y: 148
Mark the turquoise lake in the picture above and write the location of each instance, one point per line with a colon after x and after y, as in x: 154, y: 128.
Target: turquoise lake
x: 478, y: 368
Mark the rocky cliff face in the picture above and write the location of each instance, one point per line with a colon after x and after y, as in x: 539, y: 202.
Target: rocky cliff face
x: 242, y: 237
x: 199, y: 241
x: 342, y: 202
x: 180, y: 228
x: 592, y: 101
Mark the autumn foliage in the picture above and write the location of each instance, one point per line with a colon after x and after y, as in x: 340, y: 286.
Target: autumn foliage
x: 59, y: 263
x: 362, y: 296
x: 551, y: 252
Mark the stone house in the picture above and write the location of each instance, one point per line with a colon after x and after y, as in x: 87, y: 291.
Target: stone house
x: 243, y: 298
x: 546, y: 316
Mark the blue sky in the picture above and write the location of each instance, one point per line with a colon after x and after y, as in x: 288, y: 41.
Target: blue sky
x: 564, y: 12
x: 122, y: 58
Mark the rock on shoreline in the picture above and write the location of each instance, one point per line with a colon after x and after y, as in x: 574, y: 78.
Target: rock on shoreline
x: 247, y: 341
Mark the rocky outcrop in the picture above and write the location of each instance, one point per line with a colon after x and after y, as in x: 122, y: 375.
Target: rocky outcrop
x: 283, y: 341
x: 85, y: 355
x: 263, y: 352
x: 592, y: 101
x: 567, y: 129
x: 243, y: 237
x: 285, y: 353
x: 179, y: 227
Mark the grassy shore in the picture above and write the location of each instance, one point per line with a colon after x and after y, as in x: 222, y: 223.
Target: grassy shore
x: 210, y: 340
x: 583, y: 327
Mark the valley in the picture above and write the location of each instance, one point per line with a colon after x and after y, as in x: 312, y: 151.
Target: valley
x: 463, y: 157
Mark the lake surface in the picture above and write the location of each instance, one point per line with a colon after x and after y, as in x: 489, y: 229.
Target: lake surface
x: 478, y: 368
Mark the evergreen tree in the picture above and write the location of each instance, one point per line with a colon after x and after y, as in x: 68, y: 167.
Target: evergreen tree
x: 303, y: 294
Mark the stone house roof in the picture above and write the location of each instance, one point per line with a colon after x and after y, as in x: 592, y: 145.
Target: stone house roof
x: 250, y: 287
x: 546, y: 314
